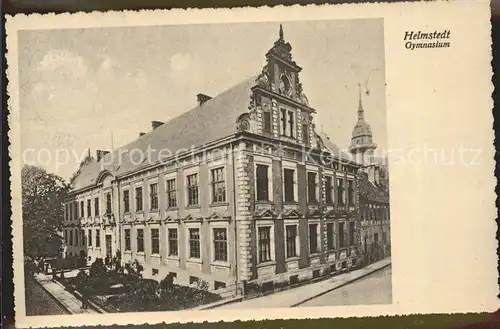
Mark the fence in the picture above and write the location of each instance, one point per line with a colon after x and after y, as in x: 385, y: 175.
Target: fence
x: 257, y: 288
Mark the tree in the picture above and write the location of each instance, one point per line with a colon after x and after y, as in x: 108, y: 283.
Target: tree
x: 43, y: 195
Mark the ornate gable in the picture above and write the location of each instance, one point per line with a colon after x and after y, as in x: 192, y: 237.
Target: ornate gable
x: 314, y: 212
x: 278, y: 107
x: 169, y: 219
x: 190, y: 218
x: 265, y: 214
x: 216, y: 217
x: 291, y: 213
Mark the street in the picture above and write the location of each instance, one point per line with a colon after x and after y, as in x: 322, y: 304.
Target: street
x: 38, y: 301
x: 375, y: 288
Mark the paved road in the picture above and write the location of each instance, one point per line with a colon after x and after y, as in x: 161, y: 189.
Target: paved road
x: 38, y: 301
x: 375, y: 288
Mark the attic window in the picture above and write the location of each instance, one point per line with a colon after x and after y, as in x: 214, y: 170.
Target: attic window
x: 284, y: 84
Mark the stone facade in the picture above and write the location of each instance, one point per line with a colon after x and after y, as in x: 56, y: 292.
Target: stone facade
x: 277, y: 221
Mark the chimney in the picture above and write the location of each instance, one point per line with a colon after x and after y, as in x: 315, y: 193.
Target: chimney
x: 156, y: 124
x: 141, y: 134
x: 202, y: 98
x: 100, y: 154
x: 370, y: 170
x: 377, y: 175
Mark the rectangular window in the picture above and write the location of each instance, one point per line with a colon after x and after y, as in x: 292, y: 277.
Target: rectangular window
x: 194, y: 243
x: 291, y: 241
x: 138, y: 199
x: 82, y: 209
x: 171, y: 193
x: 127, y: 239
x: 220, y: 244
x: 350, y: 194
x: 291, y: 123
x: 153, y: 196
x: 90, y: 238
x: 305, y: 133
x: 89, y: 208
x: 330, y: 241
x: 329, y: 190
x: 219, y: 285
x: 108, y: 203
x: 340, y: 191
x: 192, y: 181
x: 218, y: 185
x: 173, y: 244
x: 84, y: 241
x: 351, y: 233
x: 283, y: 122
x: 155, y: 241
x: 65, y: 237
x: 66, y: 216
x: 311, y: 187
x: 313, y: 238
x: 140, y: 240
x: 96, y: 206
x: 71, y: 237
x: 126, y: 201
x: 97, y: 238
x: 264, y: 244
x: 76, y: 238
x: 266, y: 117
x: 341, y: 235
x: 288, y: 177
x: 262, y: 183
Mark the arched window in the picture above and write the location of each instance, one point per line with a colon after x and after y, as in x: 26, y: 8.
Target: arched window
x: 284, y: 84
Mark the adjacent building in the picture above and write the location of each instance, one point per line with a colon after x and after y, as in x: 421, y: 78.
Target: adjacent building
x: 373, y: 191
x: 239, y: 189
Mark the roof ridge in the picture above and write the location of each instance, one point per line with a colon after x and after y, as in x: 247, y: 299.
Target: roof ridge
x: 182, y: 115
x: 214, y: 119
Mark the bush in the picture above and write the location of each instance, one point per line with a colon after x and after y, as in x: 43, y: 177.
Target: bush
x: 149, y: 295
x: 253, y: 288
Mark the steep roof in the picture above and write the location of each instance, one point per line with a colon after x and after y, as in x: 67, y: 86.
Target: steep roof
x: 370, y: 191
x: 333, y: 148
x: 211, y: 121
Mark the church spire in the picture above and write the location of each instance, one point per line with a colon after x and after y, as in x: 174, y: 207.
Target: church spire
x: 281, y: 32
x: 361, y: 112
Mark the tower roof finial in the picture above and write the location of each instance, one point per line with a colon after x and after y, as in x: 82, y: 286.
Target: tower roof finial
x: 360, y: 105
x: 281, y: 32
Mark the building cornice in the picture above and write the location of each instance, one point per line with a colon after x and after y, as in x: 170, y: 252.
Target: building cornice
x: 283, y: 99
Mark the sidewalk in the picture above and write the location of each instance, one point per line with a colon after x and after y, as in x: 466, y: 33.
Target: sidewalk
x: 67, y: 299
x: 299, y: 295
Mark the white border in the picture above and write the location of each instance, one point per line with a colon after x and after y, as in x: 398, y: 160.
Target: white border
x: 461, y: 95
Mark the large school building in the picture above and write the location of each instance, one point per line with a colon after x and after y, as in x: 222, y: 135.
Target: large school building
x: 242, y: 188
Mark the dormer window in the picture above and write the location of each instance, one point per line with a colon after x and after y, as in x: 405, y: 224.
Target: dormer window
x: 267, y: 121
x: 283, y: 122
x: 305, y: 133
x: 285, y: 85
x: 291, y: 122
x: 287, y: 123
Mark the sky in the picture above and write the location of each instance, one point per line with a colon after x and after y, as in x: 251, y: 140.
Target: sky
x: 97, y: 88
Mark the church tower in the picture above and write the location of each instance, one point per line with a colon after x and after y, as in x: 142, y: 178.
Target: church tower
x: 362, y: 145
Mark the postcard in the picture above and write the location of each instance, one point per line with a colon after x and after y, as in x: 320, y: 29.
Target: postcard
x: 252, y: 163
